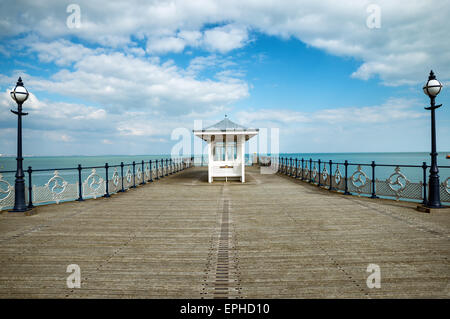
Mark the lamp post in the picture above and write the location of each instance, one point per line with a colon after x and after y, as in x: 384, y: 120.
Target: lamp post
x: 19, y: 95
x: 432, y: 89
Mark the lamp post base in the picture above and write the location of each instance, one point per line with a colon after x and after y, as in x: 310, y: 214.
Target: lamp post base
x: 26, y: 212
x: 19, y: 210
x: 425, y: 209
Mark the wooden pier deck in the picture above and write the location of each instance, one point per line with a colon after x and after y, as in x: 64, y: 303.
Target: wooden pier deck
x: 180, y: 237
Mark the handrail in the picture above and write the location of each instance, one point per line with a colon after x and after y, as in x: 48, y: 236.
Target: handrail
x: 328, y: 174
x: 96, y: 184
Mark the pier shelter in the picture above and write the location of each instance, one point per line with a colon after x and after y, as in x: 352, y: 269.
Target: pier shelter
x: 226, y: 149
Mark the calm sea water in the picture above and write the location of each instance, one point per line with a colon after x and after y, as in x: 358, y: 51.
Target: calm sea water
x: 414, y: 174
x: 58, y: 162
x: 71, y: 176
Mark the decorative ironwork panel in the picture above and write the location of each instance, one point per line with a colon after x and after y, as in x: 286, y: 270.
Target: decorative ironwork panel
x: 315, y: 172
x: 94, y: 185
x: 139, y: 175
x: 147, y: 172
x: 338, y: 180
x: 359, y: 182
x: 6, y: 193
x: 114, y: 183
x: 325, y: 177
x: 306, y: 173
x: 445, y: 190
x: 55, y: 190
x: 339, y: 186
x: 397, y: 185
x: 128, y: 178
x: 324, y: 173
x: 410, y: 190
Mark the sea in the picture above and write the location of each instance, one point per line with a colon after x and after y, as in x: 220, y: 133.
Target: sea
x: 67, y: 165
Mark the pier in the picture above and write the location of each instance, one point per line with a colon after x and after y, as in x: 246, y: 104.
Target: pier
x: 181, y: 237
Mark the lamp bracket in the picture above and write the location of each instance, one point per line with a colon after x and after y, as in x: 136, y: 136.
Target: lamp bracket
x: 433, y: 107
x: 19, y: 113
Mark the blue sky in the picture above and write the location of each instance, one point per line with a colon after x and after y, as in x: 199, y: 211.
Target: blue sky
x: 122, y: 81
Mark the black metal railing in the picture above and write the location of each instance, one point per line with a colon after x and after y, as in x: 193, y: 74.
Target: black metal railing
x: 362, y: 178
x: 82, y: 182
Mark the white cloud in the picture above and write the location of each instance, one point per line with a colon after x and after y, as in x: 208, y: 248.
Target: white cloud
x: 408, y: 44
x: 396, y: 125
x: 226, y: 38
x: 165, y: 45
x: 392, y: 111
x: 124, y: 81
x: 193, y: 38
x: 61, y: 52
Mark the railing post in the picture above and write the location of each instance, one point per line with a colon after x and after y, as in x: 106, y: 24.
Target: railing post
x: 107, y: 181
x: 319, y: 173
x: 121, y: 176
x: 373, y: 181
x: 424, y: 167
x: 303, y: 175
x: 282, y: 165
x: 346, y: 178
x: 162, y: 168
x: 156, y: 169
x: 143, y: 173
x: 171, y: 167
x: 310, y: 170
x: 134, y: 175
x: 290, y: 166
x: 293, y: 168
x: 80, y: 185
x: 151, y: 171
x: 296, y: 168
x: 331, y: 175
x: 30, y: 188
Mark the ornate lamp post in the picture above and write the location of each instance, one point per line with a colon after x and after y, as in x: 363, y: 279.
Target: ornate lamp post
x: 19, y: 95
x: 432, y: 89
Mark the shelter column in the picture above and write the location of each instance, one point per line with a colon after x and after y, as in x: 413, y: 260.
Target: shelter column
x: 210, y: 158
x: 242, y: 142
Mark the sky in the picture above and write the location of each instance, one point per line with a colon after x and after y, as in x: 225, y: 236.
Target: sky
x: 118, y: 77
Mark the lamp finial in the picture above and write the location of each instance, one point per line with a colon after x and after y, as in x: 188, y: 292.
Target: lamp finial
x: 19, y: 82
x: 432, y: 76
